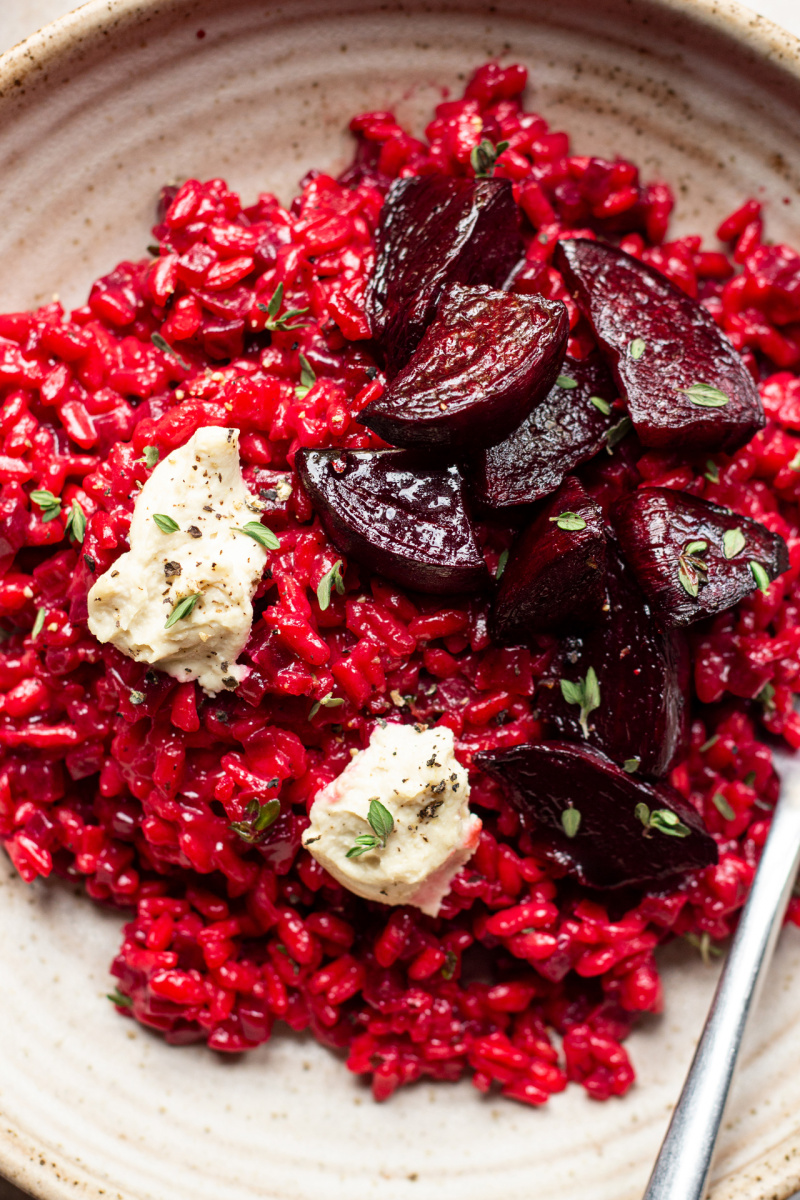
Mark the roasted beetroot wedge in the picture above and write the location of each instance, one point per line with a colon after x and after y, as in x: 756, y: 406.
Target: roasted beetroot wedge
x: 484, y: 362
x: 570, y: 426
x: 683, y: 383
x: 555, y: 574
x: 606, y: 826
x: 622, y: 685
x: 397, y: 516
x: 691, y: 558
x: 435, y: 231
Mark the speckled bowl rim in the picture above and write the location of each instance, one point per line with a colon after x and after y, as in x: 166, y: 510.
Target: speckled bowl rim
x: 775, y: 1176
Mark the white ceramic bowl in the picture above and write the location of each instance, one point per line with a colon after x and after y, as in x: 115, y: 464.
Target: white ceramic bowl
x: 96, y: 112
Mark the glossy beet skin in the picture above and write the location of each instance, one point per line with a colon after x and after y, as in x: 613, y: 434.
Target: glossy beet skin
x: 485, y: 361
x: 397, y: 516
x: 659, y: 341
x: 564, y: 430
x: 612, y: 847
x: 554, y: 577
x: 643, y: 675
x: 436, y: 231
x: 656, y: 525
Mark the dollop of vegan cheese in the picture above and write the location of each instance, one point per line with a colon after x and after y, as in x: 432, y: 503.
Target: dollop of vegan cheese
x: 199, y: 489
x: 414, y: 774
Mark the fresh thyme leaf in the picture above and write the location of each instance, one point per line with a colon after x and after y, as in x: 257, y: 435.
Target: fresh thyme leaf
x: 698, y: 547
x: 642, y: 813
x: 794, y: 465
x: 617, y: 432
x: 722, y: 806
x: 484, y: 156
x: 380, y: 819
x: 706, y: 396
x: 259, y: 533
x: 761, y: 577
x: 566, y: 381
x: 733, y: 542
x: 636, y: 348
x: 76, y: 522
x: 569, y: 521
x: 182, y: 609
x: 330, y: 579
x: 711, y: 471
x: 259, y: 819
x: 136, y: 697
x: 48, y: 503
x: 688, y: 576
x: 329, y: 701
x: 712, y: 741
x: 631, y: 765
x: 150, y: 456
x: 704, y: 944
x: 767, y: 697
x: 601, y: 404
x: 571, y: 821
x: 585, y: 693
x: 501, y: 564
x: 307, y: 378
x: 450, y: 963
x: 749, y: 779
x: 364, y: 843
x: 666, y: 822
x: 163, y: 345
x: 116, y: 997
x: 272, y: 309
x: 38, y: 624
x: 165, y: 523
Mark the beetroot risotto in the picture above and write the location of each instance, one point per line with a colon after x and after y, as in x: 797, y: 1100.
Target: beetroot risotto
x: 521, y: 478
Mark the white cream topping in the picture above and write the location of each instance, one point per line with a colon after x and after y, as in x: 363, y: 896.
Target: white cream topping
x: 414, y: 774
x: 200, y: 487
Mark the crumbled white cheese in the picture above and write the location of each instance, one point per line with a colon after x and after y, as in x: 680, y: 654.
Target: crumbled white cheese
x: 200, y: 487
x: 414, y: 773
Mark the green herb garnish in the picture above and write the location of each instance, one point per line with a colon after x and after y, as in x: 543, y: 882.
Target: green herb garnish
x: 182, y: 609
x: 733, y: 542
x: 259, y: 533
x: 767, y: 697
x: 711, y: 471
x: 330, y: 579
x: 38, y: 624
x: 569, y: 521
x: 662, y: 820
x: 307, y: 378
x: 704, y: 944
x: 48, y: 503
x: 636, y: 348
x: 602, y: 405
x: 328, y: 701
x: 691, y: 568
x: 761, y: 577
x: 150, y: 456
x: 712, y: 741
x: 382, y: 823
x: 617, y: 432
x: 166, y: 524
x: 585, y: 693
x: 484, y: 156
x: 631, y: 765
x: 450, y: 963
x: 76, y: 522
x: 116, y: 997
x: 136, y: 697
x: 163, y: 345
x: 722, y: 806
x: 566, y: 381
x: 501, y: 564
x: 706, y: 396
x: 259, y: 817
x: 285, y: 322
x: 571, y: 821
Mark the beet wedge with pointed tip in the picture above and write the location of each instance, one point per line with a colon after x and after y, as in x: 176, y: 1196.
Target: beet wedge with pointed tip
x: 636, y: 710
x: 606, y: 826
x: 395, y: 515
x: 567, y: 428
x: 683, y: 383
x: 484, y: 362
x: 555, y: 574
x: 691, y: 558
x: 435, y: 231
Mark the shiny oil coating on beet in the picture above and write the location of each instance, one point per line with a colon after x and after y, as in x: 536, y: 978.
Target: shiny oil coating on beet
x: 660, y: 343
x: 612, y: 847
x: 555, y: 574
x: 643, y: 674
x: 655, y: 527
x: 435, y: 231
x: 561, y: 432
x: 397, y: 515
x: 484, y: 362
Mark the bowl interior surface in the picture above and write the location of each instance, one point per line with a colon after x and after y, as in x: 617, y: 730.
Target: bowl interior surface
x: 97, y: 112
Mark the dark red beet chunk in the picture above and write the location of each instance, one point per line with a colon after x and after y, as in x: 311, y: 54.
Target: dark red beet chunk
x: 684, y: 384
x: 396, y: 515
x: 563, y: 431
x: 436, y: 231
x: 555, y: 574
x: 643, y: 677
x: 486, y: 360
x: 691, y: 558
x: 612, y: 847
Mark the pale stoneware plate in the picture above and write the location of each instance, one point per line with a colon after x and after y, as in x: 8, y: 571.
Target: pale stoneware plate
x: 96, y: 112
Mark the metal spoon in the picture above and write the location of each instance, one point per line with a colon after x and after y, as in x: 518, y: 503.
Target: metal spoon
x: 684, y: 1161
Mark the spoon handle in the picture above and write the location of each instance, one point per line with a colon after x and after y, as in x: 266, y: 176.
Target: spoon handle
x: 684, y: 1161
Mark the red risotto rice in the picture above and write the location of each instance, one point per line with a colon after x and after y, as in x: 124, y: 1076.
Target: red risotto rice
x: 129, y: 781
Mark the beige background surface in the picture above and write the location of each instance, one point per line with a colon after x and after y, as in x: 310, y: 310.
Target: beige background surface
x: 19, y: 18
